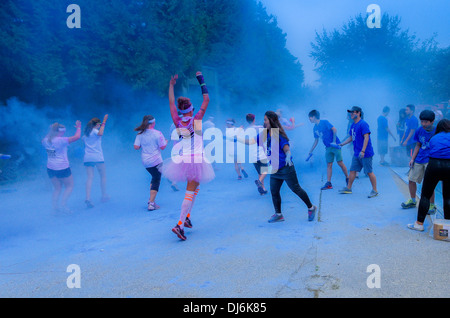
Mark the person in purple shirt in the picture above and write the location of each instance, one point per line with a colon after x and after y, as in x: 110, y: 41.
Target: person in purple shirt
x: 438, y: 169
x: 363, y: 151
x: 274, y: 139
x: 412, y: 123
x: 420, y: 157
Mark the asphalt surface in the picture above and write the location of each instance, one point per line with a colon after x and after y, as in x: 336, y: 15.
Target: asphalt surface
x: 122, y: 250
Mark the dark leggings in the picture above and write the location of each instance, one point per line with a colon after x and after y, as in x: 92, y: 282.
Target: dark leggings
x: 437, y: 170
x: 156, y: 177
x: 289, y: 175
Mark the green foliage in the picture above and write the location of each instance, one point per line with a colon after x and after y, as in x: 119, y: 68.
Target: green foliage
x: 357, y: 52
x: 141, y: 43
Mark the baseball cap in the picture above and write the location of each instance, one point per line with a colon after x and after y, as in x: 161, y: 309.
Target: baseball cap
x: 354, y: 109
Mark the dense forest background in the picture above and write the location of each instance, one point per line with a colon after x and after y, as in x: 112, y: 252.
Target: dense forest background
x: 121, y: 59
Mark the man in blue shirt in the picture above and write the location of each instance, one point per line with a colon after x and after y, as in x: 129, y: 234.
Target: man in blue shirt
x: 325, y: 130
x: 412, y: 123
x: 383, y: 133
x: 420, y: 158
x: 363, y: 151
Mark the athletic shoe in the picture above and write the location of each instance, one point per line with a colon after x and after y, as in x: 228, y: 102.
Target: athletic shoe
x: 277, y: 217
x: 345, y: 191
x: 327, y: 186
x: 89, y: 204
x: 312, y: 213
x: 260, y: 187
x: 432, y: 209
x: 409, y: 204
x: 244, y: 173
x: 416, y: 227
x: 179, y: 232
x: 152, y: 206
x: 187, y: 223
x: 372, y: 194
x: 239, y: 177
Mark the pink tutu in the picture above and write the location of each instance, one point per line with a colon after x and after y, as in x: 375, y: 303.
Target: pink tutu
x: 188, y: 168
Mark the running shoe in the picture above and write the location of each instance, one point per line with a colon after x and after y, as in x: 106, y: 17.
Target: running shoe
x: 409, y: 204
x: 179, y: 232
x: 416, y: 226
x: 345, y: 191
x: 327, y: 186
x: 239, y: 177
x: 312, y: 213
x: 188, y: 223
x: 260, y: 187
x: 372, y: 194
x: 277, y: 217
x: 432, y: 209
x: 89, y: 204
x: 152, y: 206
x: 244, y: 173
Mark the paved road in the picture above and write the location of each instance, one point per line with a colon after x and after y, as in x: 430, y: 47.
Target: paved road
x: 232, y: 252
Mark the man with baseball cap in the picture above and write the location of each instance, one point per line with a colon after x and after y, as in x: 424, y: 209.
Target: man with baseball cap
x: 363, y: 151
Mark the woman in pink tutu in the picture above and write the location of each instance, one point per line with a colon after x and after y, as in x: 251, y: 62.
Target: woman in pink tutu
x: 188, y: 162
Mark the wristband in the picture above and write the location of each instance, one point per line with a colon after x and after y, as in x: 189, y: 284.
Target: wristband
x: 201, y: 81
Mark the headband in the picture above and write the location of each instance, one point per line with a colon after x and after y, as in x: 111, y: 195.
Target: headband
x: 230, y: 122
x: 185, y: 111
x: 61, y: 129
x: 151, y: 121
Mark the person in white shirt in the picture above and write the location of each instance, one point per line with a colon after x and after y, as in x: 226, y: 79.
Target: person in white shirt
x: 257, y: 154
x: 58, y: 167
x: 151, y: 141
x: 93, y: 157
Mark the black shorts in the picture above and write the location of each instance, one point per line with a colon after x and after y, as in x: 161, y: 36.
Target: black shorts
x: 258, y: 164
x: 92, y: 164
x: 60, y: 174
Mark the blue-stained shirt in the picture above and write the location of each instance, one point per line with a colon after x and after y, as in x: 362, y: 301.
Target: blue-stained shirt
x: 323, y: 130
x: 357, y: 131
x: 281, y: 155
x: 411, y: 123
x: 423, y: 137
x: 382, y: 128
x: 440, y: 146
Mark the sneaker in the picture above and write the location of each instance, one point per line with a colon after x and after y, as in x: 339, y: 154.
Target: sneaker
x: 409, y: 204
x: 244, y: 173
x: 345, y: 191
x: 416, y: 227
x: 327, y: 186
x: 277, y: 217
x: 89, y: 204
x: 312, y: 213
x: 151, y: 206
x: 432, y: 209
x: 188, y: 223
x: 239, y: 177
x: 372, y: 194
x: 260, y: 187
x: 179, y: 232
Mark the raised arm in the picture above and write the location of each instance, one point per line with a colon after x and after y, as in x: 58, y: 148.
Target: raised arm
x: 102, y: 126
x: 201, y: 112
x: 173, y: 107
x: 77, y: 133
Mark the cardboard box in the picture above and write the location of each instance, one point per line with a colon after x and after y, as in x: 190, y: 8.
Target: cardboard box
x: 441, y: 230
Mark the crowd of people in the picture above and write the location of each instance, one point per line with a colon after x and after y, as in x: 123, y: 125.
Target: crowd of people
x: 427, y: 144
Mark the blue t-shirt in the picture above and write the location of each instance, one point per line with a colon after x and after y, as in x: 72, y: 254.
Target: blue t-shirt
x: 423, y: 136
x: 440, y: 146
x: 411, y: 123
x: 323, y: 130
x: 382, y: 128
x: 357, y: 131
x: 281, y: 155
